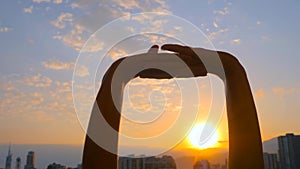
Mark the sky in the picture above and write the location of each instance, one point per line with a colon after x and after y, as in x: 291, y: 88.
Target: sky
x: 41, y: 40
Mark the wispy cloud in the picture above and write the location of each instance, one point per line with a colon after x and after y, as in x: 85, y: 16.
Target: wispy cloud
x: 28, y: 10
x: 5, y: 29
x: 58, y: 65
x: 236, y: 41
x: 37, y: 81
x: 74, y: 38
x: 82, y: 71
x: 259, y: 22
x: 285, y: 91
x: 57, y: 1
x: 86, y: 24
x: 225, y: 11
x: 41, y: 1
x: 215, y: 34
x: 260, y: 93
x: 215, y: 24
x: 62, y: 20
x: 7, y: 86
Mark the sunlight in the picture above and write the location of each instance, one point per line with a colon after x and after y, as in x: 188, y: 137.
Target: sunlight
x: 194, y: 136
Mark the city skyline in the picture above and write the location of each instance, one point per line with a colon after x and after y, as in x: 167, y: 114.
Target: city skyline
x: 216, y: 158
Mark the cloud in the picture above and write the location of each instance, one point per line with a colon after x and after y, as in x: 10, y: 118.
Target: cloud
x: 82, y: 71
x: 216, y: 34
x: 102, y: 13
x: 285, y: 91
x: 128, y: 4
x: 117, y: 53
x: 37, y: 81
x: 258, y: 22
x: 36, y: 98
x: 58, y: 65
x: 57, y: 1
x: 74, y: 38
x: 7, y: 86
x: 62, y: 20
x: 5, y: 29
x: 41, y: 1
x: 215, y: 24
x: 236, y: 41
x: 260, y: 93
x: 225, y: 11
x: 28, y: 10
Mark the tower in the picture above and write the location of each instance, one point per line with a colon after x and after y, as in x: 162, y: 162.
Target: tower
x: 8, y: 158
x: 289, y: 151
x: 18, y: 163
x: 30, y: 161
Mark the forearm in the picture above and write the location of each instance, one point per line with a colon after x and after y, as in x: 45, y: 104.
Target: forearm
x: 94, y: 154
x: 245, y: 148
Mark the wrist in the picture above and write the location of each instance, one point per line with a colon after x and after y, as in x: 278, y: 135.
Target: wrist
x: 231, y: 66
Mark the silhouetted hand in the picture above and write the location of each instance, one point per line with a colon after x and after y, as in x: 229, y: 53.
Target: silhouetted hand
x: 184, y: 63
x: 200, y: 62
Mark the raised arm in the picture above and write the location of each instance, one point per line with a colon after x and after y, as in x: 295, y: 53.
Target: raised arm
x: 245, y: 147
x: 94, y: 155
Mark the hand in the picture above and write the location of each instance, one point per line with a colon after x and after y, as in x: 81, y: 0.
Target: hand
x: 180, y: 64
x: 202, y: 60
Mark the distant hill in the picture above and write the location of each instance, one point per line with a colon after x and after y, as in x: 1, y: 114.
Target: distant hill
x: 271, y: 146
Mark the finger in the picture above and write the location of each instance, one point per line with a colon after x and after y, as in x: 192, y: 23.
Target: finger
x: 185, y: 50
x: 153, y: 49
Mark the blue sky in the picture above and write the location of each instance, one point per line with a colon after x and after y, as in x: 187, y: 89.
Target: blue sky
x: 40, y: 41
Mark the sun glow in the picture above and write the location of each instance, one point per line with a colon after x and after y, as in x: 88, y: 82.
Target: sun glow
x: 210, y: 141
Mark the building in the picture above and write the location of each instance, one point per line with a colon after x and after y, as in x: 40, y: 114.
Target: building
x: 271, y: 161
x: 289, y: 151
x: 142, y: 162
x: 8, y: 159
x: 18, y: 163
x: 30, y: 161
x: 56, y: 166
x: 203, y: 164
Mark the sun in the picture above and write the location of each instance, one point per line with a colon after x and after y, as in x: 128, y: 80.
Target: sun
x: 210, y: 141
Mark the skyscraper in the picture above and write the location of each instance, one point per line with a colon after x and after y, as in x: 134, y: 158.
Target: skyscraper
x: 18, y: 163
x: 271, y: 161
x: 30, y: 161
x: 142, y: 162
x: 289, y: 151
x: 8, y: 159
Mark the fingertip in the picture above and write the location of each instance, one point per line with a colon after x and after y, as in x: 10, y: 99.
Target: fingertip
x: 153, y: 49
x: 155, y: 46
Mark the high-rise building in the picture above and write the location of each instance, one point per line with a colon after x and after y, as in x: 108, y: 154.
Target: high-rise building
x: 8, y: 159
x: 289, y: 151
x: 142, y: 162
x: 18, y: 163
x: 271, y: 161
x: 30, y: 161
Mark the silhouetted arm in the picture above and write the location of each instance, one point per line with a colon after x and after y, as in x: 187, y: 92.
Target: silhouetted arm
x: 245, y: 147
x: 94, y: 156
